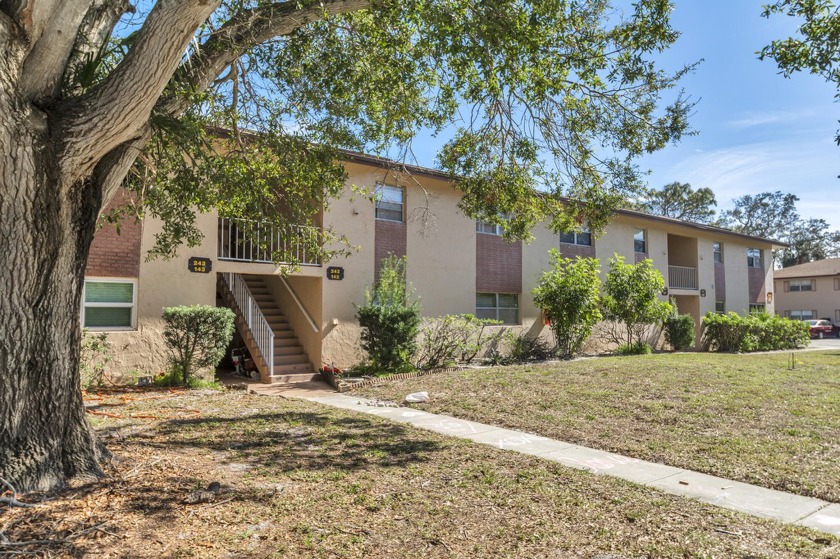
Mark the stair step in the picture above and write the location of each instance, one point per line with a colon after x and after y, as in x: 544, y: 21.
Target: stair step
x: 292, y: 378
x: 296, y: 359
x: 284, y: 334
x: 287, y: 350
x: 292, y: 369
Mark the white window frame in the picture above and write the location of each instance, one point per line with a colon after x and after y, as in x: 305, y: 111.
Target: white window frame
x: 644, y: 241
x: 801, y: 285
x: 800, y: 314
x: 486, y: 228
x: 380, y: 188
x: 133, y: 304
x: 576, y: 239
x: 717, y: 250
x: 497, y: 308
x: 754, y: 256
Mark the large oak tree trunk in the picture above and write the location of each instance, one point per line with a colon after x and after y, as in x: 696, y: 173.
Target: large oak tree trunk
x: 45, y: 233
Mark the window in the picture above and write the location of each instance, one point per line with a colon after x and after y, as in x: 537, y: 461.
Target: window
x: 583, y: 238
x: 837, y: 315
x: 753, y: 258
x: 718, y: 252
x: 640, y: 241
x: 801, y: 315
x: 720, y: 307
x: 109, y: 304
x: 801, y: 285
x: 757, y: 307
x: 488, y: 228
x: 389, y: 202
x: 498, y: 306
x: 836, y: 284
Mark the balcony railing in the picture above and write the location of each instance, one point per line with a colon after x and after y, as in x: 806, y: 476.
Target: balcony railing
x: 682, y: 277
x: 247, y: 240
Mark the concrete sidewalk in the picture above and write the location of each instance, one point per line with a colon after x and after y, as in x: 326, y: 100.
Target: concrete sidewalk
x: 734, y: 495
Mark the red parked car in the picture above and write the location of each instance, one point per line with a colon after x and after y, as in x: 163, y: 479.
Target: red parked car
x: 821, y: 328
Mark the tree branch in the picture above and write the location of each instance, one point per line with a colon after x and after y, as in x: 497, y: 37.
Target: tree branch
x: 93, y: 35
x: 44, y: 65
x: 242, y: 32
x: 31, y: 16
x: 116, y: 110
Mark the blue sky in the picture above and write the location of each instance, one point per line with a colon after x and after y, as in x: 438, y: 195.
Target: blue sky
x: 757, y: 130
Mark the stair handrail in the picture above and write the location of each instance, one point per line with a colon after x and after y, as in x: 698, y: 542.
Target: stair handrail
x: 302, y: 308
x: 254, y: 318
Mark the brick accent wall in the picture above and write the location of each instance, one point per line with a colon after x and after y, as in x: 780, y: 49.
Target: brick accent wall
x: 720, y: 282
x: 389, y: 238
x: 756, y: 280
x: 115, y: 255
x: 498, y: 265
x: 570, y: 251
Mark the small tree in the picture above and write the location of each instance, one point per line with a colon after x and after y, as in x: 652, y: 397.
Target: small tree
x: 631, y: 299
x: 390, y: 319
x: 197, y: 337
x: 569, y: 295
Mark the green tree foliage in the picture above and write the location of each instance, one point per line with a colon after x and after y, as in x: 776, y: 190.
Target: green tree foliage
x: 754, y: 332
x: 631, y: 299
x: 774, y: 215
x: 680, y: 201
x: 560, y: 97
x: 197, y: 336
x: 570, y: 295
x: 390, y: 320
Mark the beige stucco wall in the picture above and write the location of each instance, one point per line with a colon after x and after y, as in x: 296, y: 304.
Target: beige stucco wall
x: 162, y: 283
x: 825, y: 299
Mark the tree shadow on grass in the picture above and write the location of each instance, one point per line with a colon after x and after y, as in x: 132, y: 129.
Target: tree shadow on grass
x: 290, y: 441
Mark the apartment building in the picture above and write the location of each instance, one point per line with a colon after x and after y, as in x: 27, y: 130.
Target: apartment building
x: 294, y: 323
x: 809, y: 291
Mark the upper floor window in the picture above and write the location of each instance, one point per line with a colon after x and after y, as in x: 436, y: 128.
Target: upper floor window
x: 801, y: 285
x: 640, y: 241
x: 754, y: 258
x: 488, y: 228
x: 718, y: 249
x: 389, y: 202
x: 109, y: 304
x: 583, y: 237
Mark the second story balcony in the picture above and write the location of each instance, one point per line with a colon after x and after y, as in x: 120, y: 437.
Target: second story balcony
x: 247, y: 240
x: 682, y: 277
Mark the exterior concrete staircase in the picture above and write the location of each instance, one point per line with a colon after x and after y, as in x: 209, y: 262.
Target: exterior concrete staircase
x: 265, y: 330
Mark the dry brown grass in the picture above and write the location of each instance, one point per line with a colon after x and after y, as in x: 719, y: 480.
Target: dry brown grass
x: 743, y: 417
x: 302, y: 480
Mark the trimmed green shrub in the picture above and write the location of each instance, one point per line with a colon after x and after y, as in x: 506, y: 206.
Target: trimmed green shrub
x: 636, y: 348
x: 631, y: 299
x: 448, y: 339
x: 569, y: 296
x: 197, y: 337
x: 754, y: 332
x: 390, y: 320
x: 679, y: 331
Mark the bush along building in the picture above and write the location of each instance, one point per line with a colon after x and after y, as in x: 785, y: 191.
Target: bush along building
x: 295, y: 322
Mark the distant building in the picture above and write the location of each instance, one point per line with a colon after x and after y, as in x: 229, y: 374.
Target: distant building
x: 809, y: 291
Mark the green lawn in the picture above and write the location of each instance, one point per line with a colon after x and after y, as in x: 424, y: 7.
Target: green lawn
x: 303, y: 480
x: 744, y: 417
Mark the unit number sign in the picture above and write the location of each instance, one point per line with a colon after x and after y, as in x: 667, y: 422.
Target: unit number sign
x: 200, y: 265
x: 335, y: 273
